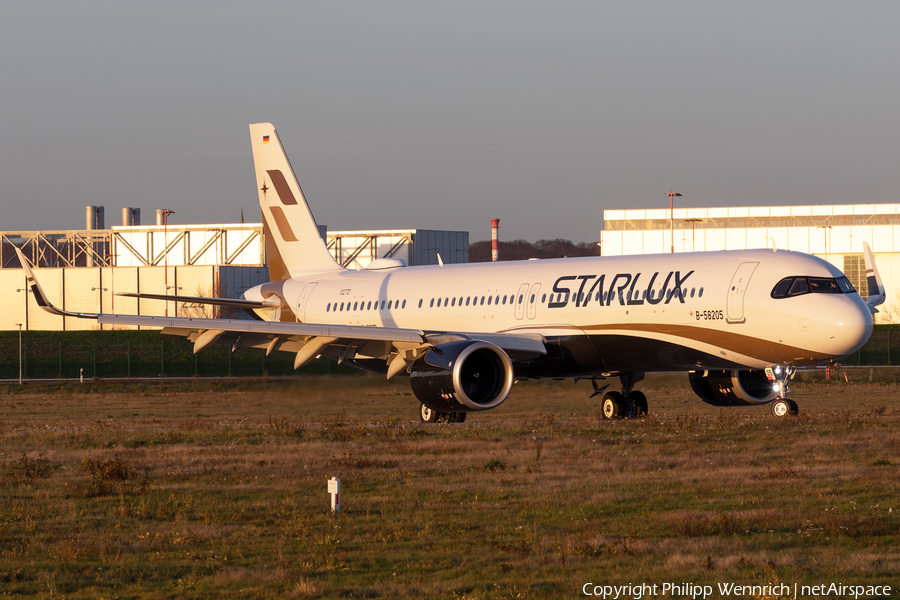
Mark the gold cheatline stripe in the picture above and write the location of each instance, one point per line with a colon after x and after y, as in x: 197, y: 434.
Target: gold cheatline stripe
x: 284, y: 228
x: 734, y: 342
x: 274, y: 261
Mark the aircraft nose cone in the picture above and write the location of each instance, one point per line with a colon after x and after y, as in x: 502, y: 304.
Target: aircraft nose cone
x: 851, y: 328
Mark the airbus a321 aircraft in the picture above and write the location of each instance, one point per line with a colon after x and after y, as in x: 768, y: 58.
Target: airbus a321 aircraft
x: 739, y: 322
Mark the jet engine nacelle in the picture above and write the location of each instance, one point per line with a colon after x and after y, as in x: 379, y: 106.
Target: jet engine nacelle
x: 463, y: 376
x: 733, y: 388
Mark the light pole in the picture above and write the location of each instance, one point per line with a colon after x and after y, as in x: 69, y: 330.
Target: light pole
x: 693, y: 233
x: 20, y: 353
x: 165, y: 213
x: 825, y: 229
x: 671, y: 196
x: 110, y: 259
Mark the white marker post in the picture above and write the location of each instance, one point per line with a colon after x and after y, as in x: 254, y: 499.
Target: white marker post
x: 334, y: 488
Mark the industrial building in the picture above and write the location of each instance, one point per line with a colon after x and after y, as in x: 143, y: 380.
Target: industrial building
x: 83, y: 270
x: 834, y: 232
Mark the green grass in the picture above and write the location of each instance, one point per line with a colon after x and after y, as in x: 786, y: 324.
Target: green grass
x: 220, y: 491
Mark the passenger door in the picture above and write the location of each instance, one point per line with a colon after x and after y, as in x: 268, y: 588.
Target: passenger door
x: 304, y: 299
x: 734, y: 306
x: 521, y: 298
x: 532, y: 300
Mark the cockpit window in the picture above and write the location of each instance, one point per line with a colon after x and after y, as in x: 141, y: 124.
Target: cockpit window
x: 796, y: 286
x: 781, y: 288
x: 845, y: 285
x: 821, y: 285
x: 800, y: 286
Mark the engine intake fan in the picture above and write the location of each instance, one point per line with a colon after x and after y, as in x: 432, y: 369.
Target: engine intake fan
x: 468, y: 375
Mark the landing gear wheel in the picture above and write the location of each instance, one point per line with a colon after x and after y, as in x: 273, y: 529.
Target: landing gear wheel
x: 457, y: 417
x: 613, y: 405
x: 640, y: 404
x: 784, y: 408
x: 429, y: 415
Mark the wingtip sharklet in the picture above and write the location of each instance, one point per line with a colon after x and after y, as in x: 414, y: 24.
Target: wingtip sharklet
x: 41, y: 297
x: 877, y: 294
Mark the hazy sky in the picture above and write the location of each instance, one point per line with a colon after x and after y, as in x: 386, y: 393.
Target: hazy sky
x: 441, y: 115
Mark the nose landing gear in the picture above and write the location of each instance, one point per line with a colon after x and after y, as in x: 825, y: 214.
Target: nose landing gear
x: 783, y: 406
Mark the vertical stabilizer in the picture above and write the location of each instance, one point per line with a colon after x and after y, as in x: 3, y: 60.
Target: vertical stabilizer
x: 293, y: 245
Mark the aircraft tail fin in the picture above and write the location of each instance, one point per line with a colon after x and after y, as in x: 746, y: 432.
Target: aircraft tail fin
x: 877, y: 294
x: 293, y: 243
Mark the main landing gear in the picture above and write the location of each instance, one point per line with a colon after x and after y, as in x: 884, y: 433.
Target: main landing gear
x: 627, y: 404
x: 783, y: 406
x: 429, y: 415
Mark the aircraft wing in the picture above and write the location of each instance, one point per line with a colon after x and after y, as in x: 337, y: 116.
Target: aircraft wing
x: 398, y: 347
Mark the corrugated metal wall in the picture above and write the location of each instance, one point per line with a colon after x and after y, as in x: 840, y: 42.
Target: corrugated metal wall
x: 92, y: 290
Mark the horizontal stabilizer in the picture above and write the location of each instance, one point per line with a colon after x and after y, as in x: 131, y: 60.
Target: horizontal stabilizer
x: 232, y: 302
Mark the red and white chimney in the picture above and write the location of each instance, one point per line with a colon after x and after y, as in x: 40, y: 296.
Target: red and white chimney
x: 495, y: 252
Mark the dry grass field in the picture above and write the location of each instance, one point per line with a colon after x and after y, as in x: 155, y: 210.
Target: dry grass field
x: 218, y: 489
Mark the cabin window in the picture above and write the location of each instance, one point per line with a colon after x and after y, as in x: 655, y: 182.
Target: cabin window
x: 543, y: 298
x: 355, y: 304
x: 431, y: 304
x: 404, y: 304
x: 467, y: 300
x: 692, y: 292
x: 700, y: 293
x: 453, y: 302
x: 532, y: 299
x: 382, y: 304
x: 420, y: 303
x: 328, y: 307
x: 489, y: 300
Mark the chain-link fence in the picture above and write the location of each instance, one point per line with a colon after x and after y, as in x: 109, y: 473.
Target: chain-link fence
x: 116, y: 354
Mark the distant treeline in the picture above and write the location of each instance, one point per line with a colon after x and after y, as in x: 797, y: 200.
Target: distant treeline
x: 523, y: 250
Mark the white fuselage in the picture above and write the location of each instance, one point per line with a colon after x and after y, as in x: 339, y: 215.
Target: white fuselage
x: 723, y: 317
